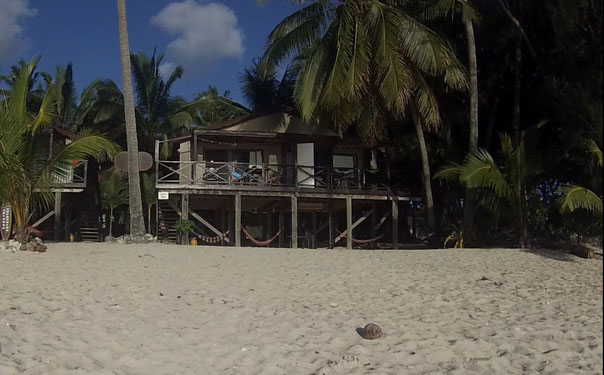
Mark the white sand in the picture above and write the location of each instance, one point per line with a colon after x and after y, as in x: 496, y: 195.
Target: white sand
x: 159, y: 309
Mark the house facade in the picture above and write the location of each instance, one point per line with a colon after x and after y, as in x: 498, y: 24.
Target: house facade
x: 270, y: 179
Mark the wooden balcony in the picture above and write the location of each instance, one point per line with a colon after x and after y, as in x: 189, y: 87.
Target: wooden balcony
x: 224, y: 176
x: 70, y: 178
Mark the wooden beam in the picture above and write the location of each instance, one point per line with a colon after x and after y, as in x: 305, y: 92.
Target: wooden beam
x: 57, y: 211
x: 238, y: 220
x: 395, y: 223
x: 184, y: 212
x: 43, y: 219
x: 331, y: 224
x: 349, y: 227
x: 294, y: 201
x: 313, y: 238
x: 209, y: 226
x: 354, y: 225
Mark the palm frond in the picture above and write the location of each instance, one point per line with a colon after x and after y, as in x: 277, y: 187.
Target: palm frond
x: 575, y: 197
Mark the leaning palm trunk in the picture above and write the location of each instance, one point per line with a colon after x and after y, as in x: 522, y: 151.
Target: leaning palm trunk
x: 426, y: 179
x: 469, y: 203
x: 137, y: 223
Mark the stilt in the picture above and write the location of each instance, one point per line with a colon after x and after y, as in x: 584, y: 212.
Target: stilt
x: 331, y: 225
x: 413, y: 220
x: 67, y: 226
x: 281, y: 228
x: 231, y: 226
x: 294, y: 221
x: 269, y: 224
x: 394, y: 223
x: 374, y: 225
x: 313, y: 237
x: 349, y: 222
x: 58, y: 228
x: 184, y: 213
x: 221, y: 215
x: 238, y: 220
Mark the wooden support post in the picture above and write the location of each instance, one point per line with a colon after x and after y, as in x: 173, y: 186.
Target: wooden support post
x: 67, y: 226
x: 184, y: 214
x: 374, y: 225
x: 331, y: 228
x: 58, y: 228
x: 231, y: 226
x: 294, y: 200
x: 238, y: 220
x: 281, y: 228
x: 413, y: 220
x: 394, y: 223
x: 349, y: 223
x: 374, y: 221
x: 220, y: 213
x: 313, y: 238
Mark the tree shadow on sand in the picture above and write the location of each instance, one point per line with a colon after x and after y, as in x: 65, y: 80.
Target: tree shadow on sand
x: 561, y: 255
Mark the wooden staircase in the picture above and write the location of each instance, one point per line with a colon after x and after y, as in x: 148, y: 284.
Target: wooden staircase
x: 167, y: 218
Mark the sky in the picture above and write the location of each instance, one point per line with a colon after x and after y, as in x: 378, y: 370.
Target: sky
x: 214, y: 41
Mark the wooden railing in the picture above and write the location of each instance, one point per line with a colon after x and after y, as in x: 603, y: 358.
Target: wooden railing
x: 229, y: 174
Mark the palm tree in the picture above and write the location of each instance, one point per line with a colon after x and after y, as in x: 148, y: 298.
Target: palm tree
x: 25, y: 167
x: 499, y: 186
x: 149, y: 195
x: 114, y: 193
x: 209, y: 107
x: 137, y: 224
x: 363, y: 57
x: 469, y: 16
x: 575, y: 197
x: 264, y: 91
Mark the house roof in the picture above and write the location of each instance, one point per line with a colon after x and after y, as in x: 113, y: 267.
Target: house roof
x: 64, y: 132
x: 270, y: 123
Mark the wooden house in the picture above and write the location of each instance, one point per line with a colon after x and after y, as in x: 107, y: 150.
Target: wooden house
x: 272, y: 179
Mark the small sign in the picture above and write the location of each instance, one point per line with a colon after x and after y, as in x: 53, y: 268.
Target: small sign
x: 163, y: 195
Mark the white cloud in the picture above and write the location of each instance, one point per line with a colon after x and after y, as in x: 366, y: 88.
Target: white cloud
x: 205, y: 33
x: 12, y: 42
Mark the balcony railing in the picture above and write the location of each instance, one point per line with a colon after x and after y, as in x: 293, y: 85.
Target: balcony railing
x: 231, y: 174
x: 70, y: 176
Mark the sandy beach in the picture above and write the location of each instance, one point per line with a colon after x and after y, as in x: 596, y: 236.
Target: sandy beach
x: 162, y: 309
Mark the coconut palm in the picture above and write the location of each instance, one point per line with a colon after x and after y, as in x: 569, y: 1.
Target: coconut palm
x: 209, y: 107
x: 363, y: 57
x: 499, y: 186
x: 137, y: 224
x: 149, y: 195
x: 469, y: 16
x: 25, y: 167
x: 264, y: 91
x: 114, y: 192
x: 575, y: 197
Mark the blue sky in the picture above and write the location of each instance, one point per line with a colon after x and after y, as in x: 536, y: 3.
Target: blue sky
x: 213, y: 40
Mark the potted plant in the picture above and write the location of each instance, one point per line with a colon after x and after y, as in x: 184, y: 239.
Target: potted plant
x: 184, y: 227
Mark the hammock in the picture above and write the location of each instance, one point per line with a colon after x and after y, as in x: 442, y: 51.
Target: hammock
x: 362, y: 242
x: 260, y: 243
x: 214, y: 239
x: 38, y: 233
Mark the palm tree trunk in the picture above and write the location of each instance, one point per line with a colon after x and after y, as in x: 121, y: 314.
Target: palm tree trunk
x: 426, y: 177
x: 149, y: 218
x: 469, y: 204
x: 137, y: 223
x: 517, y: 89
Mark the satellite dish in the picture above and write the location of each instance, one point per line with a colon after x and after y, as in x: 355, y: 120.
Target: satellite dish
x: 145, y: 161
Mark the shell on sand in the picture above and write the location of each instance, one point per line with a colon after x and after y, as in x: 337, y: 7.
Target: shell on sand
x: 372, y: 331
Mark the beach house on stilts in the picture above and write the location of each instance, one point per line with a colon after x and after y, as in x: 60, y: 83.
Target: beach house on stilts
x: 270, y: 179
